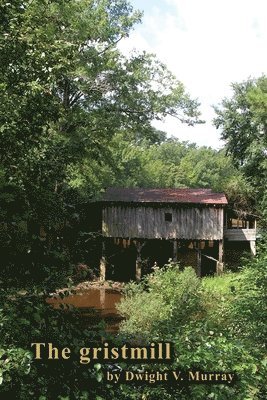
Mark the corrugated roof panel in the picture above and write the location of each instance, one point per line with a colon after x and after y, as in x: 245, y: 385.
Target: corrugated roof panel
x: 190, y: 196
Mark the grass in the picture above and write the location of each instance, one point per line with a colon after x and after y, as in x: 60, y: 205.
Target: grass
x: 223, y: 284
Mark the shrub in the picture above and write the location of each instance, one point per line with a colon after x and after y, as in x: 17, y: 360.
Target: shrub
x: 200, y: 318
x: 164, y: 297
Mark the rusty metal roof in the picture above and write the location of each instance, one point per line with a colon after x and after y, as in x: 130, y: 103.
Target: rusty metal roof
x: 190, y: 196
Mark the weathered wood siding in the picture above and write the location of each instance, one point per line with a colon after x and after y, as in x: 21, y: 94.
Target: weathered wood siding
x: 149, y: 222
x: 240, y: 234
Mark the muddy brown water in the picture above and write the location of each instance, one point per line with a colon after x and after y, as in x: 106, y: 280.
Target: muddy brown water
x: 95, y: 305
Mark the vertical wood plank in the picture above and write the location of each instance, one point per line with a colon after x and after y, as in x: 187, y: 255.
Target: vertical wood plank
x: 190, y: 223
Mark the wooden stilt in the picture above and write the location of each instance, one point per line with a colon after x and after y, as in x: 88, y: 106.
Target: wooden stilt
x: 102, y: 297
x: 253, y: 247
x: 253, y: 242
x: 103, y: 263
x: 198, y: 258
x: 220, y: 266
x: 174, y: 250
x: 138, y: 264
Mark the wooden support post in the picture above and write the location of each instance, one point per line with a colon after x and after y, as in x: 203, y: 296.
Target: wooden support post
x: 220, y: 266
x: 103, y: 263
x: 138, y: 264
x: 174, y: 257
x: 253, y: 247
x: 102, y: 298
x: 220, y: 251
x: 198, y: 259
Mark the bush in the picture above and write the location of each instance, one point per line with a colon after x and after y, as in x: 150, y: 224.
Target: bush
x: 162, y: 298
x: 200, y: 318
x: 27, y: 319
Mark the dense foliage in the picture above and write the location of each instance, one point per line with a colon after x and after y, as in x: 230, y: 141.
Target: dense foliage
x: 214, y: 323
x: 66, y: 90
x: 27, y: 319
x: 243, y: 122
x: 162, y: 162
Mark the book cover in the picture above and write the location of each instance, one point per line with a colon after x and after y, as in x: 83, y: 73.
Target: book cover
x: 133, y: 200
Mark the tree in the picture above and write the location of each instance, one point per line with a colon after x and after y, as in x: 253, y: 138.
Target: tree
x: 65, y: 91
x: 243, y: 121
x: 171, y: 163
x: 206, y: 167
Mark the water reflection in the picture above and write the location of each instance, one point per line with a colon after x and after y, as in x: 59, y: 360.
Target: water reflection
x: 95, y: 304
